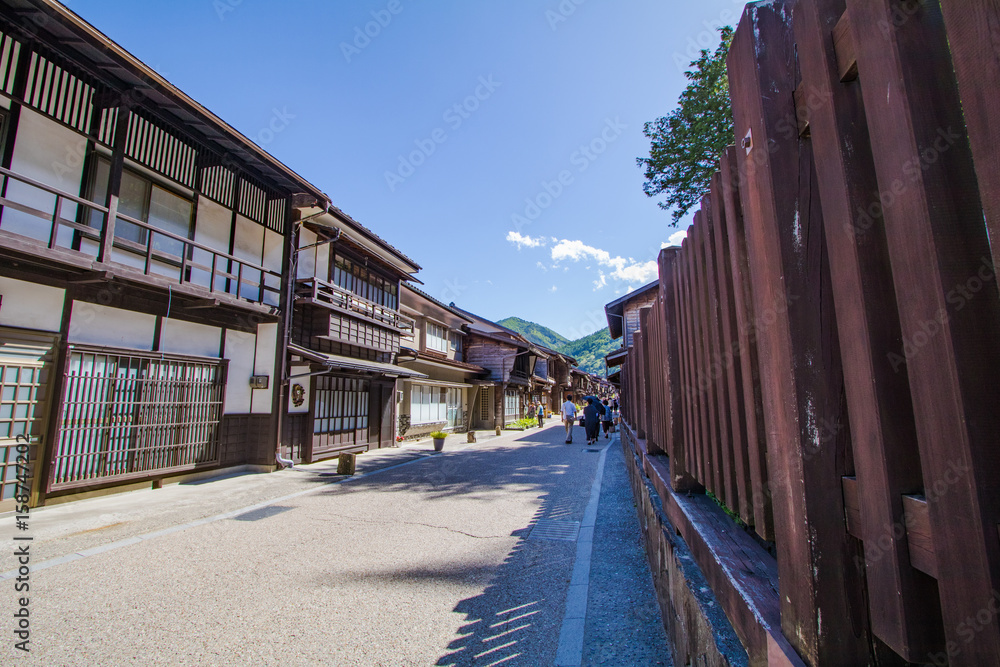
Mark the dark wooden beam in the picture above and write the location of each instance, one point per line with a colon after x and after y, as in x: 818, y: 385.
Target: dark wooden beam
x: 902, y: 603
x: 940, y: 253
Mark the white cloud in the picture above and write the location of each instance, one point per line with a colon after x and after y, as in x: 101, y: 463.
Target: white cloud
x: 525, y: 241
x: 554, y: 289
x: 541, y: 266
x: 675, y: 239
x: 637, y: 273
x: 625, y: 270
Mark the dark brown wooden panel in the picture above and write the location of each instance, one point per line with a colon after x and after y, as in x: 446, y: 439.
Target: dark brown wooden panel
x: 798, y: 349
x: 903, y: 604
x: 756, y: 435
x: 974, y: 36
x: 948, y: 299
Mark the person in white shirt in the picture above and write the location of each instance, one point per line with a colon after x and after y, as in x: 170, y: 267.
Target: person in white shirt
x: 569, y: 416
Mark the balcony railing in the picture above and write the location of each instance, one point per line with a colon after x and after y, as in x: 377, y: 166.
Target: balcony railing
x: 319, y: 291
x: 162, y: 255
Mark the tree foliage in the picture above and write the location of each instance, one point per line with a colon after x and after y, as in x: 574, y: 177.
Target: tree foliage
x: 687, y: 144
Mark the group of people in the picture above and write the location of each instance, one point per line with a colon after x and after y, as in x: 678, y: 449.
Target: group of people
x: 595, y: 414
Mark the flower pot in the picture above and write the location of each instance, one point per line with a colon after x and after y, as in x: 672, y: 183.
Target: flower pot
x: 438, y: 444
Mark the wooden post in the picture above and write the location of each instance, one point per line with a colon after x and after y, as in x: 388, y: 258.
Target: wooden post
x: 903, y: 602
x: 746, y: 325
x: 948, y: 300
x: 680, y: 476
x: 975, y: 50
x: 115, y: 182
x: 800, y: 372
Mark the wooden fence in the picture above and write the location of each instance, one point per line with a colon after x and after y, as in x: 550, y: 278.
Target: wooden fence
x: 824, y: 351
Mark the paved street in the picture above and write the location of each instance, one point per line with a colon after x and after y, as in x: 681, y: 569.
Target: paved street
x: 420, y: 559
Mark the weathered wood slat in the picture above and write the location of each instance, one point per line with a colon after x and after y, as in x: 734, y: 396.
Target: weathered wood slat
x: 760, y: 496
x: 947, y: 295
x: 974, y: 37
x: 902, y: 603
x: 680, y: 477
x: 729, y: 356
x: 704, y: 387
x: 718, y: 367
x: 798, y: 350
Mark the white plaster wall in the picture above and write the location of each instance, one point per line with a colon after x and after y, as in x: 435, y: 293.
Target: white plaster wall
x: 51, y: 154
x: 249, y: 246
x: 94, y: 324
x: 323, y: 261
x: 267, y: 341
x: 274, y: 247
x: 212, y: 226
x: 240, y: 349
x: 307, y: 258
x: 179, y: 337
x: 305, y: 383
x: 31, y: 306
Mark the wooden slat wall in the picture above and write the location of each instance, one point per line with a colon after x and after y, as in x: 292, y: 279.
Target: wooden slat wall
x: 821, y: 352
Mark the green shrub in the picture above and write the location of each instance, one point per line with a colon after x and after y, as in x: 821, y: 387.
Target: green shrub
x: 439, y: 435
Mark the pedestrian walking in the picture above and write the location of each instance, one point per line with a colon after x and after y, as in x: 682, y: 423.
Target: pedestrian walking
x: 606, y: 419
x: 541, y: 415
x: 569, y: 416
x: 591, y: 418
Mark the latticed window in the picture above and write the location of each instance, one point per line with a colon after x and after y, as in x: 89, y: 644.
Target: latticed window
x: 341, y: 405
x: 132, y: 414
x: 484, y: 403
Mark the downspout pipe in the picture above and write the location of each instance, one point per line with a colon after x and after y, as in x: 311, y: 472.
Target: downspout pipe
x: 293, y: 270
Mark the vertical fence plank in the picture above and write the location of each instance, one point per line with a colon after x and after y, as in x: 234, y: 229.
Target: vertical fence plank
x: 974, y: 37
x: 948, y: 299
x: 903, y: 602
x: 674, y: 436
x: 703, y: 388
x: 696, y: 422
x: 732, y: 378
x: 797, y: 346
x: 746, y: 325
x: 716, y: 377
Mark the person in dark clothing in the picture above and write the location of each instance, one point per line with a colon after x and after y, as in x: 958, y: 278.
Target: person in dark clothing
x: 591, y: 421
x: 606, y: 419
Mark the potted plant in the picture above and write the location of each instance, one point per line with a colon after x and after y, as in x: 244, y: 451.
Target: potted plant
x: 438, y: 437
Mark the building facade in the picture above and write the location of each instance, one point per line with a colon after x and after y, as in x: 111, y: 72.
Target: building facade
x: 147, y: 280
x: 445, y: 399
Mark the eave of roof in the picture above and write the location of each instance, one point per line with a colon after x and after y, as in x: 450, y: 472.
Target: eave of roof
x: 127, y: 64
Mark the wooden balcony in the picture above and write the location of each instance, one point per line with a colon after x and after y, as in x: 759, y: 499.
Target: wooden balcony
x: 319, y: 292
x: 162, y: 259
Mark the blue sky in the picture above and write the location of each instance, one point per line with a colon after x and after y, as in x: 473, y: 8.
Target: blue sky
x: 492, y: 142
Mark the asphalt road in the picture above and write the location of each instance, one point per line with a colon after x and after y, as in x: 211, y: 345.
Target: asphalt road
x: 420, y: 559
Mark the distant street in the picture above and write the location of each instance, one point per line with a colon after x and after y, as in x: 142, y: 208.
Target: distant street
x: 421, y: 559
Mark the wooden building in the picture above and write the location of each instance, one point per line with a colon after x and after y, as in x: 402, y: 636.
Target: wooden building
x: 443, y: 400
x: 511, y: 360
x: 146, y: 284
x: 623, y: 313
x: 344, y: 338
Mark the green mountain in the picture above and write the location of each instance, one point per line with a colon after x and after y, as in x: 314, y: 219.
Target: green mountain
x: 536, y: 333
x: 588, y: 351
